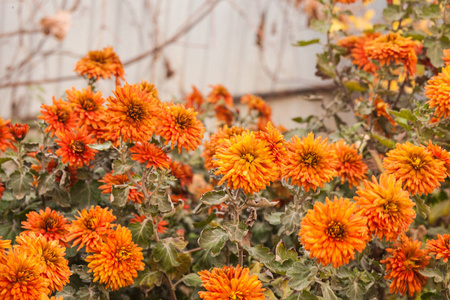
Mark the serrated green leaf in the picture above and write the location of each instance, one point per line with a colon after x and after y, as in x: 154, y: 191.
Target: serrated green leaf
x: 213, y: 240
x: 355, y: 290
x: 120, y: 167
x: 142, y: 233
x: 101, y: 147
x: 20, y: 184
x: 166, y: 254
x: 119, y: 195
x: 306, y: 43
x: 46, y: 182
x: 68, y: 293
x: 328, y: 293
x: 214, y: 197
x: 149, y: 279
x: 236, y: 232
x: 261, y: 253
x: 192, y: 280
x: 435, y: 49
x: 404, y: 114
x: 274, y: 218
x: 282, y: 254
x: 300, y: 276
x: 434, y: 273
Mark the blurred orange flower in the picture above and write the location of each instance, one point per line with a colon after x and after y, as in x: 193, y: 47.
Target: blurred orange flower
x: 74, y: 149
x: 230, y: 283
x: 19, y: 131
x: 441, y: 155
x: 180, y: 127
x: 59, y: 117
x: 333, y: 231
x: 115, y: 261
x: 246, y: 162
x: 91, y: 227
x: 219, y: 93
x: 437, y: 93
x: 350, y: 165
x: 150, y: 89
x: 404, y: 266
x: 150, y: 154
x: 440, y: 247
x: 182, y: 172
x: 446, y: 57
x: 101, y: 63
x: 310, y: 162
x: 415, y: 167
x: 388, y: 208
x: 4, y: 244
x: 49, y: 223
x: 194, y: 100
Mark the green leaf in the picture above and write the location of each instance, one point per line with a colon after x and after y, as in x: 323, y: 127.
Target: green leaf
x: 393, y: 13
x: 68, y: 293
x: 305, y: 295
x: 206, y: 221
x: 164, y: 202
x: 60, y: 195
x: 355, y: 290
x: 88, y: 293
x: 422, y: 209
x: 428, y: 12
x: 383, y: 141
x: 320, y: 25
x: 432, y: 273
x: 282, y: 254
x: 328, y: 293
x: 82, y: 272
x: 101, y: 147
x: 269, y: 295
x: 435, y: 49
x: 20, y: 184
x: 354, y: 86
x: 290, y: 220
x: 214, y: 197
x: 10, y: 231
x: 325, y: 68
x: 46, y: 182
x: 86, y: 193
x: 261, y: 253
x: 405, y: 114
x: 235, y: 232
x: 301, y: 276
x: 306, y: 43
x: 192, y: 280
x: 5, y: 159
x: 142, y: 233
x: 166, y: 254
x: 274, y: 218
x: 120, y: 168
x: 213, y: 240
x: 149, y: 279
x: 119, y: 195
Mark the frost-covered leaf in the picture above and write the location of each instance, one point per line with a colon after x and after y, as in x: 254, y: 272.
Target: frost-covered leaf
x: 213, y: 240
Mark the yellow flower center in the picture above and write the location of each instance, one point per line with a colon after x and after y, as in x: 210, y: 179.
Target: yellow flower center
x: 336, y: 230
x: 417, y: 163
x: 310, y: 159
x: 135, y: 112
x: 236, y: 296
x: 91, y: 223
x: 122, y: 253
x: 77, y: 146
x: 89, y: 104
x: 390, y: 207
x: 248, y: 157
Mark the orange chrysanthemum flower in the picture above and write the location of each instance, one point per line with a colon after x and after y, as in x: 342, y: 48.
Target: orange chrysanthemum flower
x: 91, y: 227
x: 404, y: 265
x: 19, y: 131
x: 74, y: 149
x: 310, y: 162
x: 6, y: 137
x: 150, y: 154
x: 393, y: 48
x: 216, y: 140
x: 350, y: 165
x: 219, y: 93
x: 277, y: 145
x: 133, y: 114
x: 180, y: 127
x: 182, y: 172
x: 101, y: 63
x: 438, y: 93
x: 359, y: 55
x: 4, y: 244
x: 150, y: 89
x: 333, y: 231
x: 194, y: 100
x: 246, y: 163
x: 59, y: 117
x: 440, y: 247
x: 415, y: 166
x: 230, y: 283
x: 110, y: 180
x: 388, y: 208
x: 49, y: 223
x: 381, y: 109
x: 258, y: 104
x: 20, y: 277
x: 446, y: 57
x: 88, y: 107
x: 50, y: 254
x: 224, y: 114
x: 116, y: 261
x: 440, y: 154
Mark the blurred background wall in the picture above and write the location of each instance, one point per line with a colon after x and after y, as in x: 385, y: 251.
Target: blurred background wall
x: 245, y: 45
